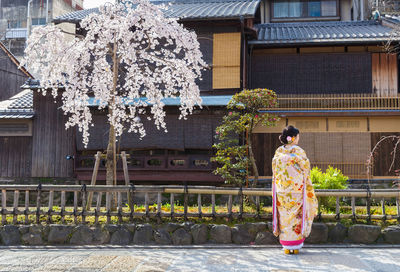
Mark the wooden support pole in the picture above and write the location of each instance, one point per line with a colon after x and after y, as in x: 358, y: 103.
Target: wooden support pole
x: 50, y: 207
x: 108, y: 207
x: 353, y: 208
x: 126, y: 173
x: 199, y: 205
x: 146, y: 204
x: 26, y: 207
x: 230, y: 207
x: 337, y: 208
x: 75, y: 207
x: 62, y: 207
x: 15, y: 207
x: 3, y: 207
x: 98, y: 207
x: 172, y: 202
x: 84, y: 195
x: 213, y: 205
x: 159, y: 205
x: 119, y: 199
x: 38, y: 199
x: 94, y: 177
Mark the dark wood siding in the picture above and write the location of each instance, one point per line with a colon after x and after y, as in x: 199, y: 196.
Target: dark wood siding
x: 197, y: 132
x: 206, y: 47
x: 265, y: 145
x: 11, y: 78
x: 383, y: 156
x: 15, y: 157
x: 51, y: 142
x: 312, y: 73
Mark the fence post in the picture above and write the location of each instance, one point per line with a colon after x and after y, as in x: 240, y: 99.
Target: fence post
x: 39, y: 192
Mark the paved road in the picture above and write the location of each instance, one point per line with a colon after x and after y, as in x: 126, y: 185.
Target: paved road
x: 198, y: 259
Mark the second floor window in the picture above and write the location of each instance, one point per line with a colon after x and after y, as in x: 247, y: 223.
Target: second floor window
x: 304, y: 8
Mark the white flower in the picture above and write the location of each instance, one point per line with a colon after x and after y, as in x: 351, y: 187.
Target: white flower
x: 158, y: 56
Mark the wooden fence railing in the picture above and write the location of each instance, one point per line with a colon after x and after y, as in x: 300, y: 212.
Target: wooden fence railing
x: 337, y: 102
x: 13, y: 205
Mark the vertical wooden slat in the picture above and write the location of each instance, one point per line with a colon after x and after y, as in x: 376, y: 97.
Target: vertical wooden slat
x: 26, y: 207
x: 213, y: 204
x: 172, y: 202
x: 108, y: 207
x: 84, y: 204
x: 353, y: 206
x: 258, y: 205
x: 62, y: 207
x: 3, y: 206
x: 38, y: 204
x: 94, y: 177
x: 50, y: 207
x: 384, y: 75
x: 119, y: 197
x: 375, y: 73
x: 98, y: 207
x: 185, y: 204
x: 398, y: 208
x: 159, y: 204
x: 230, y: 206
x: 337, y: 205
x: 393, y: 75
x: 126, y: 173
x: 146, y: 204
x: 15, y: 206
x: 199, y: 205
x: 383, y: 207
x: 75, y: 207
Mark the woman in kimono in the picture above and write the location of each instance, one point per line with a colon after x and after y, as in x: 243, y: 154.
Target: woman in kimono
x: 294, y: 202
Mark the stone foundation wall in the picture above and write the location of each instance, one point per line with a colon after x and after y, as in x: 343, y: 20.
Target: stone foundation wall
x: 187, y: 234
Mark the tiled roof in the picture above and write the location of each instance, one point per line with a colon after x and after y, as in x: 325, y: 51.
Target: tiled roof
x: 323, y: 32
x: 187, y: 9
x: 18, y: 106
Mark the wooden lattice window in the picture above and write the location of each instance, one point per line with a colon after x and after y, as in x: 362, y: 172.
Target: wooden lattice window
x: 226, y: 60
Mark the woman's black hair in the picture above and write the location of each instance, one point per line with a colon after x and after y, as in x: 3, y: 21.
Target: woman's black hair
x: 288, y: 131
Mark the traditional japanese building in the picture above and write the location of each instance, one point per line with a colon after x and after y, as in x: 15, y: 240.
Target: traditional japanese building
x: 334, y: 78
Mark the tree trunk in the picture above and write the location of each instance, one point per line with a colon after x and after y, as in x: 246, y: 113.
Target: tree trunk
x: 110, y: 157
x: 252, y: 159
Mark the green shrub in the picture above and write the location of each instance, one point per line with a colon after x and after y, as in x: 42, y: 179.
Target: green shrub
x: 333, y: 178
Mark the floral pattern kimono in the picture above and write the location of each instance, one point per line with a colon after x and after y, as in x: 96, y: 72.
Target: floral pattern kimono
x: 294, y: 201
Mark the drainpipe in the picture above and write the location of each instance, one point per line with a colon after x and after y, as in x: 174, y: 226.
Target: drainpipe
x: 242, y: 53
x: 29, y: 21
x: 47, y: 12
x: 362, y: 10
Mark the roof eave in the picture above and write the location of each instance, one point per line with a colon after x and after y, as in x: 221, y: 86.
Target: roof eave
x: 319, y: 42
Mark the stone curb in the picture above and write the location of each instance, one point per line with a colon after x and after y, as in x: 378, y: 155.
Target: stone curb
x: 187, y: 234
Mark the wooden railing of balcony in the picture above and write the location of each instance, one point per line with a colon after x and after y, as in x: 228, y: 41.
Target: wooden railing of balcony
x: 81, y: 209
x: 337, y: 102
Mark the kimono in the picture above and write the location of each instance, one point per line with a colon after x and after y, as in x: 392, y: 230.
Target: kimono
x: 294, y: 202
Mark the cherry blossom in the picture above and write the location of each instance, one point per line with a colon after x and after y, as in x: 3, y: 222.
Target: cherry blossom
x: 130, y: 59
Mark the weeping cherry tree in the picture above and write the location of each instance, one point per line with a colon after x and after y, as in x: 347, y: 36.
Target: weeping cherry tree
x: 130, y: 59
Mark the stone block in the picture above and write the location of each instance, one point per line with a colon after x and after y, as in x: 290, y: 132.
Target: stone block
x: 337, y: 232
x: 143, y: 234
x: 59, y: 234
x: 199, y: 233
x: 121, y: 237
x: 221, y: 234
x: 266, y: 238
x: 181, y: 237
x: 82, y: 235
x: 10, y: 235
x: 319, y: 234
x: 162, y: 237
x: 391, y: 234
x: 364, y: 234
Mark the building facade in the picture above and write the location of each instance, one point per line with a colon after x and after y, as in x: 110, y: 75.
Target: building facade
x: 14, y: 19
